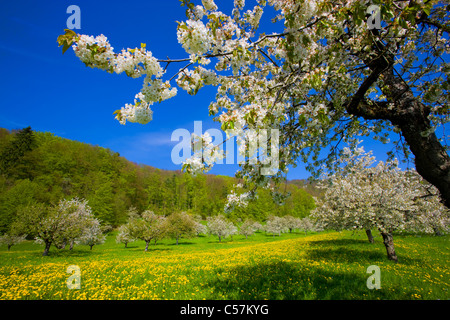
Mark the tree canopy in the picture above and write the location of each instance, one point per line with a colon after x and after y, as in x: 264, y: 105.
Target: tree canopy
x: 330, y: 77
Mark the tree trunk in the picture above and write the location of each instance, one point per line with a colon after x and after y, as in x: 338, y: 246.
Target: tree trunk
x: 370, y: 236
x: 91, y: 247
x: 431, y: 159
x: 437, y: 232
x: 389, y: 244
x: 219, y: 238
x: 410, y: 115
x: 71, y: 244
x: 146, y: 245
x: 9, y: 246
x: 47, y: 248
x: 177, y: 240
x: 126, y: 243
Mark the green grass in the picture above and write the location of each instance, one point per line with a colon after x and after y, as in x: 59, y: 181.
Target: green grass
x: 327, y: 265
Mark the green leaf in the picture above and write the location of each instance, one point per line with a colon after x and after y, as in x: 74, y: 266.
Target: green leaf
x: 386, y: 13
x: 306, y: 40
x: 302, y: 120
x: 66, y: 39
x: 359, y: 15
x: 227, y: 125
x: 65, y: 47
x: 224, y: 126
x: 182, y: 25
x: 70, y: 33
x: 401, y: 22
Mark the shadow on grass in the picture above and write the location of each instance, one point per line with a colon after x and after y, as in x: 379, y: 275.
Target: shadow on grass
x: 340, y: 242
x: 216, y: 241
x: 66, y: 253
x: 291, y: 281
x: 271, y: 236
x: 141, y: 248
x: 153, y: 249
x: 285, y: 236
x: 354, y: 250
x: 341, y: 254
x: 180, y: 243
x: 129, y: 247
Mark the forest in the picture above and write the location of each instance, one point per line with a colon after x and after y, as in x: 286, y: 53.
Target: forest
x: 39, y: 167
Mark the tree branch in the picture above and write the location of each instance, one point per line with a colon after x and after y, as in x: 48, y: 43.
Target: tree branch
x: 435, y: 23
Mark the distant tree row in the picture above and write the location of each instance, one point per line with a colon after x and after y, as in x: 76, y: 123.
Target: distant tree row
x: 71, y: 222
x: 37, y: 167
x: 148, y: 226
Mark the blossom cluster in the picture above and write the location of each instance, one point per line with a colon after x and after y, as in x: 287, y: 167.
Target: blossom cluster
x: 193, y: 80
x: 139, y: 112
x: 94, y: 52
x: 237, y: 200
x: 98, y: 53
x: 205, y: 154
x: 194, y: 36
x: 209, y: 5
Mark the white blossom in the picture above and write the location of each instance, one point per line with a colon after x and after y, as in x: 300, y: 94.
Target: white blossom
x: 194, y: 36
x: 220, y: 227
x: 209, y: 5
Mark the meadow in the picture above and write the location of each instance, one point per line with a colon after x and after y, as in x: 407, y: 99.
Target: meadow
x: 326, y: 265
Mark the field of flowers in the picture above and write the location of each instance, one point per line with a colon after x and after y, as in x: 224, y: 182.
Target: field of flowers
x: 326, y: 265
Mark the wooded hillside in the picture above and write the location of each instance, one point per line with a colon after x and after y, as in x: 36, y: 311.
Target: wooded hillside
x: 41, y: 167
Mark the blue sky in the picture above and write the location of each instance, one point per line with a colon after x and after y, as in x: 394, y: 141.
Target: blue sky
x: 52, y: 92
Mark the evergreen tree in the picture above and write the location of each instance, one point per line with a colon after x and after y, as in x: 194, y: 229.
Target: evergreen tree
x: 12, y: 157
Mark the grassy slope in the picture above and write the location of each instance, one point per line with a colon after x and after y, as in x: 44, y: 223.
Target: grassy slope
x: 293, y: 266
